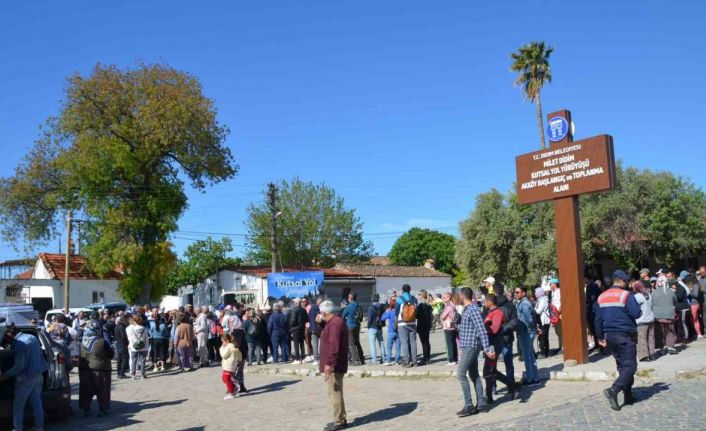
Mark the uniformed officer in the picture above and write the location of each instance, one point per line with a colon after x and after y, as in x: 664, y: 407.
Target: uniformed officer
x: 616, y: 311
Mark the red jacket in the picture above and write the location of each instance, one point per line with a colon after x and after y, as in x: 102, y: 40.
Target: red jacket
x: 333, y: 347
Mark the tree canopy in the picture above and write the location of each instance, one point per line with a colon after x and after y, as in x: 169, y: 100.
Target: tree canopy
x: 651, y: 215
x: 314, y: 228
x: 202, y: 258
x: 118, y: 154
x: 417, y: 245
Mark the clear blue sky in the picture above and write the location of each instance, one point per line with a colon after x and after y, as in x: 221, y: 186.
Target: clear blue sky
x: 406, y: 108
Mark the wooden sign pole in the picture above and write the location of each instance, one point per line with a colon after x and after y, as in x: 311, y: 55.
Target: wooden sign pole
x: 570, y: 259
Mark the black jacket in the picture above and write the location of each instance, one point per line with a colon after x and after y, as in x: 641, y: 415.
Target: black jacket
x: 121, y: 341
x: 510, y: 312
x: 297, y: 319
x: 424, y: 317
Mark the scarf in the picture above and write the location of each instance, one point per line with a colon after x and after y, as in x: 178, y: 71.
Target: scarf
x: 90, y: 336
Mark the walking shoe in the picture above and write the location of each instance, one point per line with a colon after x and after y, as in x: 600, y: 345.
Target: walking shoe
x: 612, y: 398
x: 467, y: 411
x: 629, y: 398
x: 387, y: 364
x: 336, y: 427
x: 229, y: 397
x: 451, y: 363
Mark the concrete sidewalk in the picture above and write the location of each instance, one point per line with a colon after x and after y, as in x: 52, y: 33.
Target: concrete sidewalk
x: 690, y: 362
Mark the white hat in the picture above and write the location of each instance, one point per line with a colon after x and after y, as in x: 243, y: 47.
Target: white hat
x: 490, y: 280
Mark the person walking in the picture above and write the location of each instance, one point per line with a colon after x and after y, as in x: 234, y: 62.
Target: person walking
x: 375, y: 325
x: 389, y: 318
x: 138, y: 345
x: 473, y: 340
x: 406, y: 312
x: 425, y: 320
x: 28, y: 368
x: 353, y: 316
x: 121, y: 352
x: 526, y: 331
x: 493, y: 322
x: 616, y: 313
x: 94, y: 370
x: 645, y: 323
x: 230, y: 358
x: 508, y: 332
x: 278, y: 329
x: 448, y: 323
x: 541, y: 309
x: 334, y: 362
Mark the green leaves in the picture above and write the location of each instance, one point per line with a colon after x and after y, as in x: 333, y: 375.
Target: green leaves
x: 314, y: 229
x: 202, y: 258
x: 531, y: 62
x: 118, y: 154
x: 417, y: 245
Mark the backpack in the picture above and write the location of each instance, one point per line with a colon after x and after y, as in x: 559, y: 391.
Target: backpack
x: 139, y: 344
x: 554, y: 314
x: 408, y: 312
x: 358, y: 314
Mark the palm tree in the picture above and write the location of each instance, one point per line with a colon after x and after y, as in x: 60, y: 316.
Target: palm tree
x: 532, y: 64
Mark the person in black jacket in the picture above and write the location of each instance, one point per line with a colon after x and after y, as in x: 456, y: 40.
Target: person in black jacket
x: 508, y: 330
x: 297, y: 324
x: 425, y: 318
x: 121, y: 354
x: 375, y: 325
x: 265, y: 342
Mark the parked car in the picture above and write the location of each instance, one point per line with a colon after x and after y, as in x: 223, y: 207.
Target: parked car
x: 72, y: 311
x: 56, y: 392
x: 112, y: 307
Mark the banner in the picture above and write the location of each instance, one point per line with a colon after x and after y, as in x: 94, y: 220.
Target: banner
x: 294, y: 284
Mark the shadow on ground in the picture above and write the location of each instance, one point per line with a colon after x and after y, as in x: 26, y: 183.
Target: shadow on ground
x: 272, y: 387
x: 120, y: 415
x: 392, y: 412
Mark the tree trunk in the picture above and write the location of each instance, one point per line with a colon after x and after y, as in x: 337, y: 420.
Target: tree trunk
x: 540, y: 121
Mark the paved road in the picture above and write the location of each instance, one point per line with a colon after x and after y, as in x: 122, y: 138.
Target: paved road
x: 193, y: 401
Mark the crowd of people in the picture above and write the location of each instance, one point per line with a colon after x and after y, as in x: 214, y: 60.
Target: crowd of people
x: 664, y: 311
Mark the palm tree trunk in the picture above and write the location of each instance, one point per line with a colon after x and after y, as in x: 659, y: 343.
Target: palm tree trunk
x: 540, y: 121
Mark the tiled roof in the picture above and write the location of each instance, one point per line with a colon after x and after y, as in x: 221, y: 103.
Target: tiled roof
x: 262, y: 271
x: 392, y: 270
x: 56, y: 264
x: 25, y: 275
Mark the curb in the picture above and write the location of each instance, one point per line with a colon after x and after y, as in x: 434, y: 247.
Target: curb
x: 567, y: 376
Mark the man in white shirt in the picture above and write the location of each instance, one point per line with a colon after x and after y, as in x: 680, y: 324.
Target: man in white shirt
x: 201, y: 332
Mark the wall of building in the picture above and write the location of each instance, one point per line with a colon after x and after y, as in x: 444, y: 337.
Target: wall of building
x: 80, y: 292
x: 385, y: 285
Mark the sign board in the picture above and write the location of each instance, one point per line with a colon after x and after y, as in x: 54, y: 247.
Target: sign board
x: 557, y: 129
x: 568, y: 169
x: 294, y: 284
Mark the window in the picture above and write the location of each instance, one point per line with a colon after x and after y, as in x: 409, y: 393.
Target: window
x: 98, y: 297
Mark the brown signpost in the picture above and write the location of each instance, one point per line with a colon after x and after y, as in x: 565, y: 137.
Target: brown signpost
x: 560, y: 173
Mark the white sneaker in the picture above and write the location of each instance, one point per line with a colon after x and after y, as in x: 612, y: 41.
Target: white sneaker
x: 387, y: 364
x: 296, y: 362
x: 451, y: 363
x: 591, y: 345
x: 229, y: 397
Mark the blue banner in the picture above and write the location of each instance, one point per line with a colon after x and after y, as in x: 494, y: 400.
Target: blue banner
x: 294, y: 284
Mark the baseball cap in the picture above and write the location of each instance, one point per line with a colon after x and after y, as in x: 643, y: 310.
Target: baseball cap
x: 683, y: 275
x: 554, y: 281
x: 490, y: 280
x: 644, y: 271
x: 621, y: 275
x: 653, y: 278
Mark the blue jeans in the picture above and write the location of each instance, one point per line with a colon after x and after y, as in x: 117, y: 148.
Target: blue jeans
x: 528, y: 357
x: 281, y: 341
x: 507, y: 358
x: 408, y: 340
x: 468, y: 366
x: 375, y: 334
x: 29, y: 389
x: 392, y: 337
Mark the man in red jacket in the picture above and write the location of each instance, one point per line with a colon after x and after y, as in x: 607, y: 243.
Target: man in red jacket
x: 334, y: 361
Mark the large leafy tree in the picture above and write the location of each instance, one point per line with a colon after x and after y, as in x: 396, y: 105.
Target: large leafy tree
x: 201, y: 259
x: 118, y: 154
x: 314, y: 227
x: 651, y: 215
x: 417, y: 245
x: 531, y: 62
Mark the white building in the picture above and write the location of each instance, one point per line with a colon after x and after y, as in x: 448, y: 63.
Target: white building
x: 43, y: 285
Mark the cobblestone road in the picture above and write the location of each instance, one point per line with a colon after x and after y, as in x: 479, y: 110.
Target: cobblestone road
x: 193, y: 401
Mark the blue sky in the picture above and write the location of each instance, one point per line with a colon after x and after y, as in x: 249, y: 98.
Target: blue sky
x: 407, y: 109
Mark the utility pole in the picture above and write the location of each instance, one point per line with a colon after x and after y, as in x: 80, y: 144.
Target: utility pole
x: 67, y: 266
x: 272, y: 206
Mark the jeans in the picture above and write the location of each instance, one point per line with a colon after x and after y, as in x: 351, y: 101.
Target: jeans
x: 392, y: 337
x: 451, y: 346
x: 137, y: 360
x: 354, y: 346
x: 29, y: 389
x: 468, y: 366
x: 528, y: 357
x: 408, y: 340
x: 279, y: 341
x: 315, y: 345
x: 375, y: 337
x: 507, y: 358
x: 254, y: 352
x: 122, y: 358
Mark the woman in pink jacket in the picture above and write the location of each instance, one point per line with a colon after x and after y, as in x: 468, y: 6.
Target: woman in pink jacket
x: 448, y: 322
